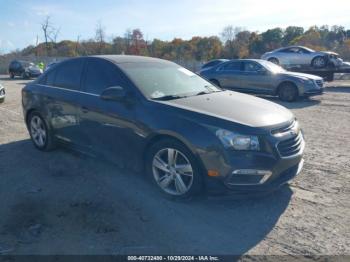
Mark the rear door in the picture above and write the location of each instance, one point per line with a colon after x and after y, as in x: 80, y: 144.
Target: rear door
x: 62, y: 99
x: 229, y: 73
x: 255, y: 78
x: 107, y: 125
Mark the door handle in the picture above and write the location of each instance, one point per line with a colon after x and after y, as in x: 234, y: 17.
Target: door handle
x: 84, y: 109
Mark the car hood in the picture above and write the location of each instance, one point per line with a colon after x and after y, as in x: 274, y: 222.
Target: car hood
x: 301, y: 75
x: 235, y: 107
x: 329, y: 53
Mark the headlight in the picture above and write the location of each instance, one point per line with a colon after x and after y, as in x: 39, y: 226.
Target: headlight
x: 238, y: 141
x: 305, y: 81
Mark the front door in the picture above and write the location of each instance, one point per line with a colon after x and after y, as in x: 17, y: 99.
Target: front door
x: 255, y: 78
x: 108, y: 126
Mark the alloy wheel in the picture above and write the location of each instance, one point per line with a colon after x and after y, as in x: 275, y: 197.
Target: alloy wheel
x: 38, y: 131
x: 172, y: 171
x: 319, y: 62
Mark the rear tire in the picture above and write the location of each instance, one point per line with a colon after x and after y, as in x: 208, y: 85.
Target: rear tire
x: 288, y: 92
x: 274, y: 60
x: 173, y: 169
x: 12, y: 75
x: 40, y: 134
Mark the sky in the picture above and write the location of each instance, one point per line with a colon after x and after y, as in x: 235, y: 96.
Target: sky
x: 163, y: 19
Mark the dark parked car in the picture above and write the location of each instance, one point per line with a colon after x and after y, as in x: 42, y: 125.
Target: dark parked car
x: 2, y: 93
x: 263, y: 77
x: 213, y: 63
x: 24, y: 69
x: 144, y: 112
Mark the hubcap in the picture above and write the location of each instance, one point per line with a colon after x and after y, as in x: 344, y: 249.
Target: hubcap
x: 37, y: 130
x: 172, y: 171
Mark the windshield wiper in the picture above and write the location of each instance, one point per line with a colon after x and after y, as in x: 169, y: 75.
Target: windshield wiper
x: 169, y: 97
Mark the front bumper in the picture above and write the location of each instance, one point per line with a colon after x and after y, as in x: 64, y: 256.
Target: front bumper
x: 2, y: 93
x: 314, y: 92
x: 316, y: 88
x: 275, y: 165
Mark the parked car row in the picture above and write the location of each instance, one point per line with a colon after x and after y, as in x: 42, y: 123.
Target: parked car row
x: 262, y: 77
x: 24, y: 69
x: 187, y: 134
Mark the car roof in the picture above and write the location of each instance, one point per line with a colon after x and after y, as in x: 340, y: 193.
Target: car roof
x: 245, y: 59
x: 292, y: 46
x: 120, y: 59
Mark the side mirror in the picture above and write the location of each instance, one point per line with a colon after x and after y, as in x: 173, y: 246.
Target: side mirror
x: 114, y: 93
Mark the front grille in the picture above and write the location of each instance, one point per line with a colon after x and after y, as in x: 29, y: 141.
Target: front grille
x: 291, y: 146
x: 319, y: 83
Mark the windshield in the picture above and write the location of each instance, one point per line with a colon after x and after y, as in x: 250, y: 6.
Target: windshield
x: 157, y: 80
x: 272, y: 67
x: 308, y: 49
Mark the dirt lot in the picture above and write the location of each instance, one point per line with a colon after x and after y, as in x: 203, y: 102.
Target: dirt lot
x: 65, y: 203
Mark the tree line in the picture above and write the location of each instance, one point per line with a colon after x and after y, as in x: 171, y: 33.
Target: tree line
x: 232, y: 42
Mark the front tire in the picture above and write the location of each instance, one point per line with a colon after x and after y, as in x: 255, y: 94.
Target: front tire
x: 173, y: 169
x: 12, y: 75
x: 288, y: 92
x: 319, y: 62
x: 40, y: 134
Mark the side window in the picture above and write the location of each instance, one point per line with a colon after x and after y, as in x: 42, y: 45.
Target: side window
x: 101, y: 74
x: 304, y: 51
x: 232, y: 66
x: 251, y: 66
x: 68, y: 74
x: 284, y: 50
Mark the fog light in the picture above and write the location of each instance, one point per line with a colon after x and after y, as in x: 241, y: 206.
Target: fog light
x: 265, y: 174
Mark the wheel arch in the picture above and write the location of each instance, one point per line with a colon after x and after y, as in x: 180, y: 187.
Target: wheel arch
x: 28, y: 112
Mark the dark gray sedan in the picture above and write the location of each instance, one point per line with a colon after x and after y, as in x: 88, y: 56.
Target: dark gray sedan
x: 263, y: 77
x: 187, y: 134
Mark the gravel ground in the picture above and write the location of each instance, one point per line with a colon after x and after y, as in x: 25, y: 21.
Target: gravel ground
x: 65, y: 203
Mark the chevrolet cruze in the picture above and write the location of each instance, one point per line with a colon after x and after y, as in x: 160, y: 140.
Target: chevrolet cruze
x: 159, y: 118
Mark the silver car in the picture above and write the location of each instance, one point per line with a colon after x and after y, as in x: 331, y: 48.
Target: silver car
x: 300, y: 56
x: 263, y: 77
